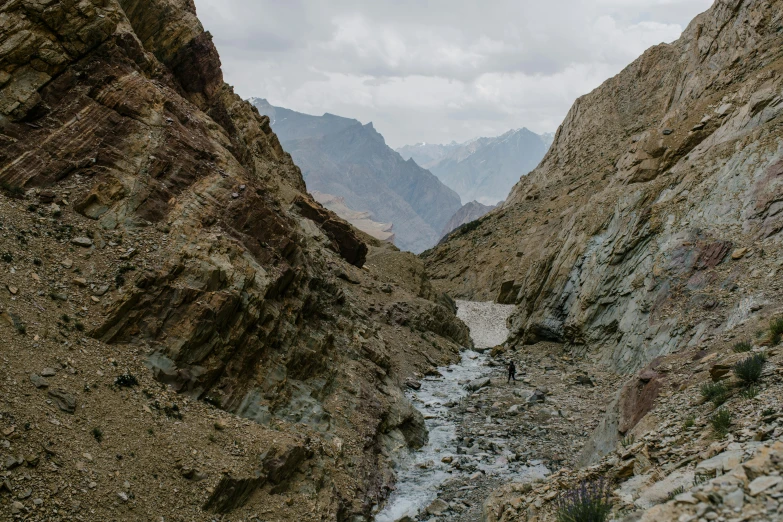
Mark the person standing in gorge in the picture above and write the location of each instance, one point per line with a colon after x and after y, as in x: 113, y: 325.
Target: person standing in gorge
x: 512, y: 372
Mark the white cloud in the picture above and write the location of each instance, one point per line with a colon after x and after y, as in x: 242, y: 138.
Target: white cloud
x: 439, y: 70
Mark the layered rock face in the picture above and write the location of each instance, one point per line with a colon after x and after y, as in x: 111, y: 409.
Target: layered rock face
x: 654, y: 220
x: 340, y: 156
x: 207, y: 257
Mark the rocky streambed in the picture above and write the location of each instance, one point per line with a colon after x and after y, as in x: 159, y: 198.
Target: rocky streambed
x: 452, y: 469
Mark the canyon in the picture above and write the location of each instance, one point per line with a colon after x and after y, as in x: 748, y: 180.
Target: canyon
x: 190, y: 335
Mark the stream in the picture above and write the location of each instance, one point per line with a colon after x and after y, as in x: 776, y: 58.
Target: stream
x: 421, y: 474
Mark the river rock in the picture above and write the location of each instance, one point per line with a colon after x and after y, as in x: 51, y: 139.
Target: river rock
x: 84, y: 242
x: 477, y: 384
x: 437, y: 507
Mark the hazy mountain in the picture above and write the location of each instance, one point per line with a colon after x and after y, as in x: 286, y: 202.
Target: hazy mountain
x: 483, y: 169
x: 469, y: 212
x: 342, y: 157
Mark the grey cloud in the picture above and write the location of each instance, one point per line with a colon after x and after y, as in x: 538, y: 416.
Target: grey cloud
x: 435, y: 70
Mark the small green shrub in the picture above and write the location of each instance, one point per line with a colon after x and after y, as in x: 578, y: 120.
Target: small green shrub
x: 126, y: 380
x: 628, y: 440
x: 690, y: 421
x: 749, y: 370
x: 700, y: 478
x: 751, y: 392
x: 766, y: 412
x: 590, y: 502
x: 715, y: 392
x: 721, y: 421
x: 776, y: 330
x: 742, y: 347
x: 97, y: 433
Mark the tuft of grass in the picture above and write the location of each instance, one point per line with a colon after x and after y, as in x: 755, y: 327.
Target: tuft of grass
x: 776, y: 330
x: 749, y: 370
x: 7, y: 257
x: 628, y: 440
x: 126, y: 380
x: 677, y: 491
x: 715, y: 392
x: 742, y: 347
x: 97, y: 433
x: 690, y: 421
x: 751, y: 392
x: 721, y: 421
x: 590, y: 502
x: 700, y: 479
x: 766, y: 412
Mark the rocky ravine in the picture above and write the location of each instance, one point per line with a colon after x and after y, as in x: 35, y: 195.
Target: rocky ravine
x: 186, y: 332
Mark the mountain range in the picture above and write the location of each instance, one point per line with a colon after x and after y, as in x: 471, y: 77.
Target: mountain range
x: 350, y: 160
x: 482, y: 169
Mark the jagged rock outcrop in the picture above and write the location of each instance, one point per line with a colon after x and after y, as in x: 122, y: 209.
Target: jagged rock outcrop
x: 340, y: 156
x: 469, y: 212
x: 168, y: 227
x: 654, y: 220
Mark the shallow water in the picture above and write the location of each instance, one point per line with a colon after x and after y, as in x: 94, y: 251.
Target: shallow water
x: 421, y: 473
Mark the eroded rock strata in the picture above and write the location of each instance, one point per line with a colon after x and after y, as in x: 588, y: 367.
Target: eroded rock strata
x: 211, y: 338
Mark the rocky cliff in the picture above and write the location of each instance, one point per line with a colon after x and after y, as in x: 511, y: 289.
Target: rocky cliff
x: 186, y: 330
x: 654, y: 220
x: 340, y: 156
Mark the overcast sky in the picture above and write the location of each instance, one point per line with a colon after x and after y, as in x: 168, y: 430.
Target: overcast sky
x: 435, y: 71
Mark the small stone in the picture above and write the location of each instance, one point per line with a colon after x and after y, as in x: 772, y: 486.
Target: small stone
x: 25, y: 494
x: 739, y: 253
x: 763, y: 483
x: 80, y: 282
x: 85, y: 242
x: 48, y: 372
x: 413, y: 385
x: 100, y: 290
x: 123, y: 496
x: 38, y: 381
x: 235, y: 195
x: 13, y: 462
x: 129, y: 254
x: 64, y: 400
x: 14, y: 290
x: 735, y: 499
x: 16, y: 507
x: 38, y: 501
x: 437, y: 507
x: 95, y: 299
x: 666, y: 132
x: 67, y: 263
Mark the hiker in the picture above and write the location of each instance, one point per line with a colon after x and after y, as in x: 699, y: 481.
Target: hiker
x: 512, y: 372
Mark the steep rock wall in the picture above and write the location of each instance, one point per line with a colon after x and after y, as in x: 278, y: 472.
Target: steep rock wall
x: 622, y: 239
